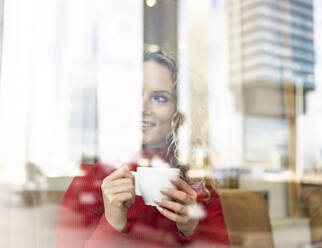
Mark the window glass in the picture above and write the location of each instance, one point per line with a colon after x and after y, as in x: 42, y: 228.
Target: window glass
x: 160, y: 123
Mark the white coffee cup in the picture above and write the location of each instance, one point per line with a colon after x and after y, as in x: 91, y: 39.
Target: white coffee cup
x: 149, y: 181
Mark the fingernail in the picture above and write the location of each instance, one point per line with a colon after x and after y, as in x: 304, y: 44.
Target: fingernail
x: 163, y: 189
x: 157, y: 200
x: 174, y: 179
x: 159, y: 208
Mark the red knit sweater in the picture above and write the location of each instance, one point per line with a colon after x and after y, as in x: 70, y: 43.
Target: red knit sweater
x: 81, y: 221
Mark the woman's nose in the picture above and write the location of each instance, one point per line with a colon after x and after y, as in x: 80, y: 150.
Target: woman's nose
x: 146, y: 108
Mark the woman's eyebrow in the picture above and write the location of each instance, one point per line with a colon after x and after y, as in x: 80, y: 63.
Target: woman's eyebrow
x: 163, y: 91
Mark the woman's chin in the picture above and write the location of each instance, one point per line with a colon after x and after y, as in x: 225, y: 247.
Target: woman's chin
x: 151, y: 145
x: 148, y: 145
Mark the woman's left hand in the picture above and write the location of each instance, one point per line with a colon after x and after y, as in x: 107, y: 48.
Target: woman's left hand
x: 180, y: 201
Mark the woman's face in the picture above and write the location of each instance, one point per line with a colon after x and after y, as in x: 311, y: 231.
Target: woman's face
x: 159, y: 104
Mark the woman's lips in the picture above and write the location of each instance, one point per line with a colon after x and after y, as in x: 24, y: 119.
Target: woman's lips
x: 147, y: 124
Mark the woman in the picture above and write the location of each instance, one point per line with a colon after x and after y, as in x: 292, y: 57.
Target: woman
x: 100, y: 208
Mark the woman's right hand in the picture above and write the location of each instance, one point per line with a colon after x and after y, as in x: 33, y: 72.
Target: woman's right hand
x: 118, y: 195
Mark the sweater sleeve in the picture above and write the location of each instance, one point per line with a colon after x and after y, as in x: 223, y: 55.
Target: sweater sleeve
x: 81, y: 222
x: 211, y: 229
x: 105, y: 235
x: 145, y: 228
x: 80, y: 209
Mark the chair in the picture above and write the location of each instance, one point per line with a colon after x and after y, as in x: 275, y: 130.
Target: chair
x: 313, y: 203
x: 246, y: 217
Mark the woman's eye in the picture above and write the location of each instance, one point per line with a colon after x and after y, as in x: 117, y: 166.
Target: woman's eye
x: 160, y: 98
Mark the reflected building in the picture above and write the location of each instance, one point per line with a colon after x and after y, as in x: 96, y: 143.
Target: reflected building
x: 271, y: 70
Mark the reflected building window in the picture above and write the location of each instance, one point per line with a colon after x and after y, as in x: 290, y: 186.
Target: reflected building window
x: 271, y: 52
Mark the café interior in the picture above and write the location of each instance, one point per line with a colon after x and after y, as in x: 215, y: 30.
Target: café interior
x: 249, y: 87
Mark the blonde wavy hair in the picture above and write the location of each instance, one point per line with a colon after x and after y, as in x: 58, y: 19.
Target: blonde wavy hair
x: 208, y: 184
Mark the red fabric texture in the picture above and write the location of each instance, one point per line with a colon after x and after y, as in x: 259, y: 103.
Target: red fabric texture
x: 81, y: 221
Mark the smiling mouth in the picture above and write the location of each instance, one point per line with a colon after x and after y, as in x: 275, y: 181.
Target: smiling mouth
x: 147, y: 124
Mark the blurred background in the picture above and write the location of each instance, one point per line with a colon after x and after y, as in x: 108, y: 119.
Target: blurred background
x: 250, y: 87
